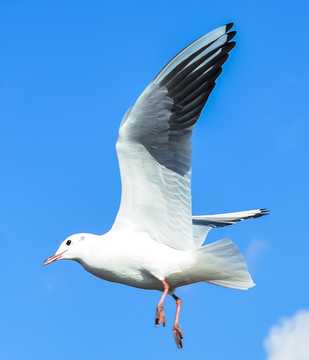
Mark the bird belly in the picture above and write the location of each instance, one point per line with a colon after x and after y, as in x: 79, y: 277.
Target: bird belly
x: 138, y: 261
x: 139, y: 278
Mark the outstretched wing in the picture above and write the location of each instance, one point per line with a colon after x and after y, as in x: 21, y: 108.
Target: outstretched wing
x: 154, y: 146
x: 203, y: 223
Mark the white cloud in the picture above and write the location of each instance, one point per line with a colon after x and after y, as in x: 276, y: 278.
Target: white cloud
x: 254, y: 252
x: 290, y: 339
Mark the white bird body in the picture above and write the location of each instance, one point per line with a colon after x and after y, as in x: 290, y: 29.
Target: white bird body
x: 113, y: 257
x: 155, y: 243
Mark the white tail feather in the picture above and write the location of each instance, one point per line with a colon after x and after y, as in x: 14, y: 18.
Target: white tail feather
x: 221, y: 263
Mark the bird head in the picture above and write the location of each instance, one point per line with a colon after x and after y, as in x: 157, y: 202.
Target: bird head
x: 70, y: 249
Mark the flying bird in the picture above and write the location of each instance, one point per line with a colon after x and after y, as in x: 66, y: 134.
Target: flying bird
x: 155, y: 242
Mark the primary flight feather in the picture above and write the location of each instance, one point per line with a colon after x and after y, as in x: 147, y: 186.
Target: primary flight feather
x: 155, y: 242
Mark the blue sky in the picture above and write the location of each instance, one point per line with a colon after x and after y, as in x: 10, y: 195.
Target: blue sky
x: 68, y: 72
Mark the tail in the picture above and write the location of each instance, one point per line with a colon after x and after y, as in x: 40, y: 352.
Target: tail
x: 221, y: 263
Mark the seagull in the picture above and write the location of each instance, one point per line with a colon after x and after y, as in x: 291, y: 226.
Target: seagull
x: 155, y: 242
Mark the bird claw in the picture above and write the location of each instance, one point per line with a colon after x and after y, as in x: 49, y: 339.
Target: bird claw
x: 178, y: 335
x: 160, y: 316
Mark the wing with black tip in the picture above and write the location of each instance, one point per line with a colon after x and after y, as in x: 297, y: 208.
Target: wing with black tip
x: 154, y: 146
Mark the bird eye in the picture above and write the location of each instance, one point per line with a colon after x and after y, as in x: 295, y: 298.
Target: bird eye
x: 68, y: 242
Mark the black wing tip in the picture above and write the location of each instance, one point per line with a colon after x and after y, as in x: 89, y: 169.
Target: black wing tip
x: 229, y: 26
x: 230, y: 46
x: 230, y: 35
x: 263, y: 212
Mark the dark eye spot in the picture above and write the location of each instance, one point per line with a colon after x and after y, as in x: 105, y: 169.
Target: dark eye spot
x: 68, y: 242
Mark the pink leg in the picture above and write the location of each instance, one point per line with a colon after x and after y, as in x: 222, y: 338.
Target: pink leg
x: 160, y: 317
x: 178, y: 335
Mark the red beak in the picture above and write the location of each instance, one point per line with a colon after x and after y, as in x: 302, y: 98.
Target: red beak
x: 53, y: 258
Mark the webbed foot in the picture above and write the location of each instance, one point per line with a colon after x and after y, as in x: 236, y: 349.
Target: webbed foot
x: 160, y: 316
x: 178, y: 335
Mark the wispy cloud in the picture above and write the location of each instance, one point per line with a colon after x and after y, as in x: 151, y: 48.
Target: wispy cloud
x: 289, y: 339
x: 253, y: 253
x: 47, y: 283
